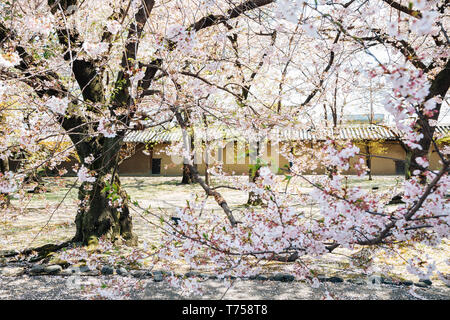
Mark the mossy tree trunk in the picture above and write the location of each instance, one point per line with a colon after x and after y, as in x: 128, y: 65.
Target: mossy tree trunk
x: 104, y: 205
x: 253, y: 198
x: 97, y: 217
x: 98, y: 214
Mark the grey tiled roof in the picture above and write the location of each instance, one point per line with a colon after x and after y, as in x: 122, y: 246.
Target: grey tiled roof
x: 360, y: 132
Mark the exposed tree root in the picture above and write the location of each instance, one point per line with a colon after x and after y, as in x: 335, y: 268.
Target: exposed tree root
x: 282, y: 258
x: 42, y: 251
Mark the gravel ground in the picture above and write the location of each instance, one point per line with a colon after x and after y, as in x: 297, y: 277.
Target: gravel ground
x: 63, y: 288
x: 18, y: 229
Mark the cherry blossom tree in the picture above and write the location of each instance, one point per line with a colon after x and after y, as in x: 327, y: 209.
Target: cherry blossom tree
x: 92, y: 71
x: 349, y: 216
x: 66, y: 53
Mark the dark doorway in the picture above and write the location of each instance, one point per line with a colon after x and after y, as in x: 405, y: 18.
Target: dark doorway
x: 156, y: 166
x: 399, y: 167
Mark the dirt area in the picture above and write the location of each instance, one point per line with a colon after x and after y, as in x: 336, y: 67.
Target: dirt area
x: 49, y: 218
x: 63, y: 288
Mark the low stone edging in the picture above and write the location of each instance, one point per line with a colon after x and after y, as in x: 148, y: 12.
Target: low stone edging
x: 158, y: 275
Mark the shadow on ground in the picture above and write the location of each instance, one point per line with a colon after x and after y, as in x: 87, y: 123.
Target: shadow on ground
x: 59, y: 287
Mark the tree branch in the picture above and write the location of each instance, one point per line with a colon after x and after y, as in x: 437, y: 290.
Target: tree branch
x: 404, y: 9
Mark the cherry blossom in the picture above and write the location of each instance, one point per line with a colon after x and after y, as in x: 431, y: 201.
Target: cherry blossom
x: 423, y: 162
x: 425, y: 25
x: 95, y: 49
x: 8, y: 60
x: 252, y: 70
x: 42, y: 25
x: 84, y: 175
x: 57, y: 105
x: 113, y: 26
x: 89, y: 159
x: 106, y: 128
x: 8, y: 183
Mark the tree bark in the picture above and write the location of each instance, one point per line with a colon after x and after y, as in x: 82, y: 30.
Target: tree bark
x: 187, y: 175
x: 439, y: 87
x: 97, y: 218
x: 253, y: 175
x: 4, y: 197
x: 369, y: 160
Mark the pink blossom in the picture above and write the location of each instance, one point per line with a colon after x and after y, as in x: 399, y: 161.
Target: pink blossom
x: 57, y: 105
x: 113, y: 26
x: 106, y: 128
x: 9, y: 60
x: 42, y: 24
x: 422, y: 162
x: 7, y: 182
x: 84, y: 175
x: 424, y: 25
x: 95, y: 49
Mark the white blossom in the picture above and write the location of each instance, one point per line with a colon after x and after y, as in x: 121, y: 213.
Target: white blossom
x: 39, y: 24
x: 424, y: 25
x: 8, y: 60
x: 94, y: 49
x: 113, y: 26
x: 57, y: 105
x: 84, y: 175
x: 419, y: 4
x: 89, y: 159
x: 422, y: 162
x: 106, y: 128
x: 7, y: 182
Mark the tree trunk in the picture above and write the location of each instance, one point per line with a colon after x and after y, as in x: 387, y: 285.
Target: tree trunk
x: 207, y: 174
x: 97, y: 218
x: 253, y: 174
x: 4, y: 197
x: 97, y: 215
x: 369, y: 160
x: 4, y: 165
x: 187, y: 175
x: 253, y: 198
x: 439, y: 88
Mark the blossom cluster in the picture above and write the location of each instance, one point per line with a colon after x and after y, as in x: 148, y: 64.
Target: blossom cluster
x: 42, y: 24
x: 84, y: 175
x: 8, y: 183
x: 57, y: 105
x: 95, y: 49
x: 106, y: 128
x: 339, y: 158
x: 410, y: 88
x: 8, y: 60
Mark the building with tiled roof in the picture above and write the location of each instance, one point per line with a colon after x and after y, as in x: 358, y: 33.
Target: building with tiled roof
x: 150, y: 158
